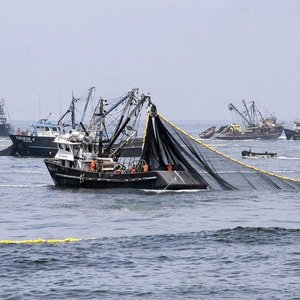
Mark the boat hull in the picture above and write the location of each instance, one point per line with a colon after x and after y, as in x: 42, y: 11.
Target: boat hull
x: 38, y: 146
x: 5, y: 130
x: 250, y: 136
x: 292, y: 134
x: 71, y: 177
x: 45, y: 147
x: 250, y: 154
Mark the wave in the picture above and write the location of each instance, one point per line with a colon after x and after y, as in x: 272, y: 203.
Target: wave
x: 257, y: 231
x: 290, y: 158
x: 22, y: 172
x: 213, y: 239
x: 24, y: 185
x: 239, y: 234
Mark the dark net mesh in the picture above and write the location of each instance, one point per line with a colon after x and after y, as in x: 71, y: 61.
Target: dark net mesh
x: 166, y: 144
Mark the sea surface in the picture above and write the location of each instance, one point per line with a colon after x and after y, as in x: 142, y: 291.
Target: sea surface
x: 150, y: 245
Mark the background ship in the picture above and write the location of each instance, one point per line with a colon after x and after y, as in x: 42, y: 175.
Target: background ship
x: 293, y: 134
x: 5, y: 126
x: 39, y: 142
x: 255, y: 125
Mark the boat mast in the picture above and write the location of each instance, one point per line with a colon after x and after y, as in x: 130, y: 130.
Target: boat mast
x: 87, y: 102
x: 102, y: 125
x: 232, y: 107
x: 130, y: 97
x: 48, y: 117
x: 2, y: 114
x: 123, y: 126
x: 262, y: 118
x: 248, y: 113
x: 73, y: 111
x: 254, y: 115
x: 117, y: 104
x: 70, y: 110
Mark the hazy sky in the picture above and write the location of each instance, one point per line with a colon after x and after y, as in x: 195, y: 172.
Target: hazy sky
x: 192, y: 56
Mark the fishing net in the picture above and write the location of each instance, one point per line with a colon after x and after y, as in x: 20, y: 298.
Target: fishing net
x: 166, y: 144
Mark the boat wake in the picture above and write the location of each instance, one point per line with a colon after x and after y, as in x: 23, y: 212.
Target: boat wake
x: 290, y: 158
x: 172, y: 191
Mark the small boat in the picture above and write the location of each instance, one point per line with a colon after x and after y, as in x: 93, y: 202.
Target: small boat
x: 293, y: 134
x: 208, y: 133
x: 250, y: 154
x: 5, y: 126
x: 255, y: 125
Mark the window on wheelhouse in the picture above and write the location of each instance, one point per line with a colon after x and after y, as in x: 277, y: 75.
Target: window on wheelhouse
x: 40, y: 129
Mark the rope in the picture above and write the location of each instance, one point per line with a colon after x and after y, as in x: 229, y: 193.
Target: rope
x: 164, y: 188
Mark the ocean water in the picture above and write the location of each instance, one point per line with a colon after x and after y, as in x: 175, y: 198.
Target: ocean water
x: 150, y: 245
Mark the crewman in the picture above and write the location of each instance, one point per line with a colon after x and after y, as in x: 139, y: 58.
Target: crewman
x: 169, y: 167
x: 145, y: 168
x: 92, y: 166
x: 133, y: 169
x: 118, y: 170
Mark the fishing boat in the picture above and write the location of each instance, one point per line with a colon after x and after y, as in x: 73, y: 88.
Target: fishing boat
x: 93, y: 158
x: 293, y: 134
x: 251, y: 154
x: 5, y: 126
x: 170, y: 159
x: 39, y: 140
x: 208, y: 133
x: 255, y: 126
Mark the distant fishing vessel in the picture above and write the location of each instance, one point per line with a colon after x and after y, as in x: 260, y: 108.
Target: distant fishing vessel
x: 39, y: 141
x: 5, y: 126
x: 293, y: 134
x: 255, y: 125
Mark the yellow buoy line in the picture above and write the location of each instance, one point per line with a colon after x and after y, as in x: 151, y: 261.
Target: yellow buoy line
x: 40, y: 241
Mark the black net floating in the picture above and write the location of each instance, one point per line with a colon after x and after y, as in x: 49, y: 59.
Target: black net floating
x: 165, y: 144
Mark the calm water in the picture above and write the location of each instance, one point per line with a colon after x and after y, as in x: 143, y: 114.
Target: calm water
x: 135, y: 244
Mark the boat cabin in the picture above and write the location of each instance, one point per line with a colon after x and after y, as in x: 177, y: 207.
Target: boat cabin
x: 297, y: 125
x: 45, y: 128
